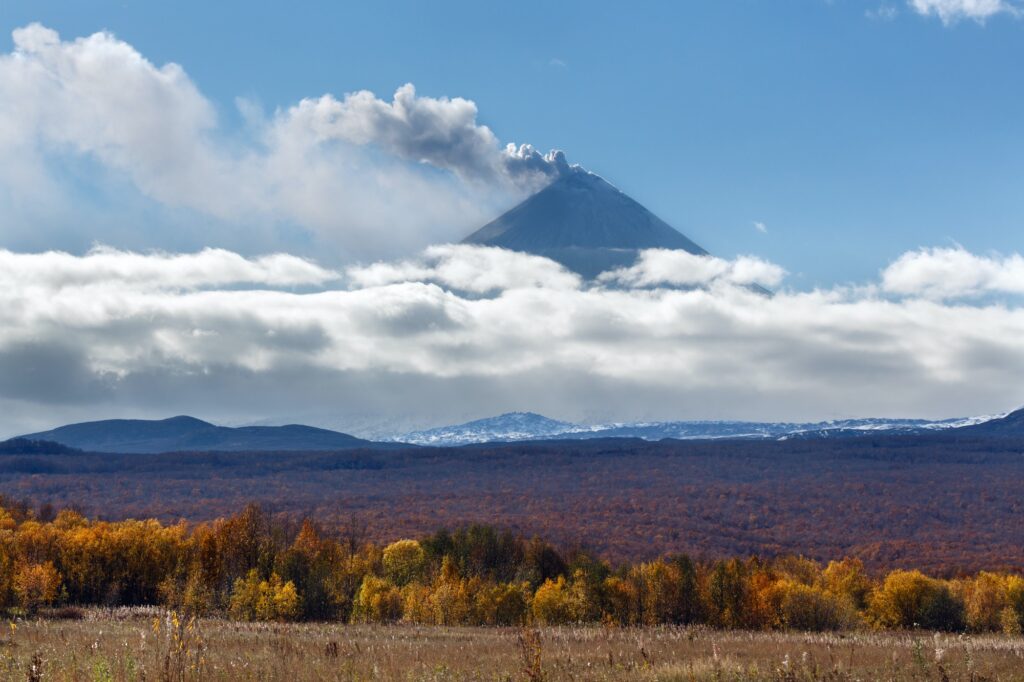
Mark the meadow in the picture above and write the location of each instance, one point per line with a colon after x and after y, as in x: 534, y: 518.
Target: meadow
x: 265, y: 594
x: 147, y: 644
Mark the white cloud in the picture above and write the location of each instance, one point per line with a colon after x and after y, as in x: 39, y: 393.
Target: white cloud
x: 679, y: 268
x: 760, y: 227
x: 945, y: 273
x: 349, y: 171
x: 466, y: 330
x: 441, y: 132
x: 950, y: 11
x: 208, y: 268
x: 882, y: 13
x: 476, y: 269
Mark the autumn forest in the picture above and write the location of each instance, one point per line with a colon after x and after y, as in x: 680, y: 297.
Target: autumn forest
x: 253, y: 567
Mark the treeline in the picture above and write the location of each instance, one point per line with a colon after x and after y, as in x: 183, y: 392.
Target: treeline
x: 253, y: 567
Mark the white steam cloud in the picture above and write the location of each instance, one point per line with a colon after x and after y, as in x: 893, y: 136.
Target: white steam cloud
x: 441, y: 132
x: 347, y: 171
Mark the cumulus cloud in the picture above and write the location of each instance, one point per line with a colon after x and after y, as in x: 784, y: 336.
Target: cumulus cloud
x: 467, y: 331
x: 945, y: 273
x: 949, y: 11
x: 657, y: 267
x: 467, y: 268
x: 207, y: 268
x: 350, y: 171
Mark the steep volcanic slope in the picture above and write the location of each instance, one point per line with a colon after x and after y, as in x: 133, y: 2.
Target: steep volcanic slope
x: 584, y: 223
x: 191, y: 434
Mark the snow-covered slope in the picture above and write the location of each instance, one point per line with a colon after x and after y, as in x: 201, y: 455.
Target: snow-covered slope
x: 519, y: 426
x: 1009, y: 426
x: 506, y: 427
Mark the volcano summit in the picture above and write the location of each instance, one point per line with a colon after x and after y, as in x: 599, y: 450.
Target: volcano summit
x: 584, y: 223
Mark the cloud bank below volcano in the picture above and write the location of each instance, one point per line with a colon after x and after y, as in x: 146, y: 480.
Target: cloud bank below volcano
x: 469, y: 331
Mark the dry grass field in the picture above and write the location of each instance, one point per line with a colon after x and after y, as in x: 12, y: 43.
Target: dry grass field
x: 147, y: 644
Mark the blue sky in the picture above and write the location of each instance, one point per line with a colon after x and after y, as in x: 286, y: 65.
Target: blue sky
x: 240, y: 211
x: 851, y: 138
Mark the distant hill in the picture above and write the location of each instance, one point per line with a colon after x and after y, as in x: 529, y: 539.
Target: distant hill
x: 191, y: 434
x: 584, y: 223
x: 511, y: 426
x: 1010, y: 426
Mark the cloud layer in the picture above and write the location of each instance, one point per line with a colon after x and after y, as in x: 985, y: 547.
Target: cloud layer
x: 467, y: 331
x: 950, y: 11
x: 364, y: 176
x: 670, y: 267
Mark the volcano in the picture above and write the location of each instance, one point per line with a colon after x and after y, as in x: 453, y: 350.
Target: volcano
x: 583, y: 222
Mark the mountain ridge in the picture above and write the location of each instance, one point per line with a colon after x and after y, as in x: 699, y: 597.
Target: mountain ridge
x: 185, y: 433
x: 1010, y: 425
x: 529, y: 426
x: 189, y: 434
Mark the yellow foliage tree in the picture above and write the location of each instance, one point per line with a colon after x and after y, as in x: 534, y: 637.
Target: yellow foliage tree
x: 847, y: 578
x: 377, y: 601
x: 657, y: 590
x: 985, y: 596
x: 910, y: 599
x: 1012, y: 618
x: 621, y: 598
x: 501, y: 604
x: 798, y: 606
x: 36, y: 585
x: 265, y: 600
x: 416, y: 604
x: 7, y: 570
x: 403, y: 561
x: 553, y: 603
x: 284, y: 602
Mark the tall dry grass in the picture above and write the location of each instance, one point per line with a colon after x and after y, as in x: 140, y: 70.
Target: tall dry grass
x: 151, y: 645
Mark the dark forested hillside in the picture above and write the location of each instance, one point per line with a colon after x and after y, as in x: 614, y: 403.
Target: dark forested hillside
x: 941, y: 503
x: 1010, y: 426
x: 188, y: 433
